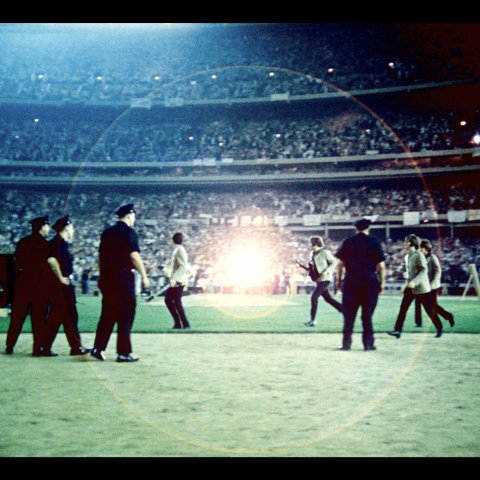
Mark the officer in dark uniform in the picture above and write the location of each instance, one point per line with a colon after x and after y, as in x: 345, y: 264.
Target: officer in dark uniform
x: 63, y: 309
x: 119, y: 254
x: 31, y: 271
x: 363, y: 258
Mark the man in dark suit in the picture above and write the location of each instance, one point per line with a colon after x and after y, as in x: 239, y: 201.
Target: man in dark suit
x: 63, y: 309
x: 119, y: 254
x: 364, y: 261
x: 30, y: 267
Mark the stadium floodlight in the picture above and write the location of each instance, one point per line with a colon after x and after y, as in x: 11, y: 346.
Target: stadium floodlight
x: 476, y: 139
x: 463, y: 123
x: 248, y: 266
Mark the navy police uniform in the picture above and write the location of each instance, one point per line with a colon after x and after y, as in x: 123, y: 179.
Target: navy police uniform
x: 360, y: 254
x: 31, y: 270
x: 63, y: 308
x: 117, y: 284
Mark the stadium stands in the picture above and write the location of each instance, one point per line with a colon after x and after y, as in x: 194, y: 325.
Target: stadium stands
x: 320, y: 132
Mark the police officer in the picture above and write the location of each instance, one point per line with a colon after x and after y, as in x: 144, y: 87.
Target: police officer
x: 364, y: 261
x: 30, y: 266
x: 119, y: 254
x: 63, y: 309
x: 418, y: 287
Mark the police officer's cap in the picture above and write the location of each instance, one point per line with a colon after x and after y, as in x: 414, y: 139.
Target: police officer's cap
x: 38, y: 222
x: 61, y: 223
x: 362, y: 224
x: 125, y: 210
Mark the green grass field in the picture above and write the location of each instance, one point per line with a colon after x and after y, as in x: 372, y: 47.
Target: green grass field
x: 251, y: 380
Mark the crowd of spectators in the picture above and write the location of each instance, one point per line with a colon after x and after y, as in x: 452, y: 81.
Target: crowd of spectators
x: 63, y: 137
x: 71, y: 63
x: 206, y: 218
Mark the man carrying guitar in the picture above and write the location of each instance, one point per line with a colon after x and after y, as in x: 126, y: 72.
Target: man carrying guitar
x: 321, y: 266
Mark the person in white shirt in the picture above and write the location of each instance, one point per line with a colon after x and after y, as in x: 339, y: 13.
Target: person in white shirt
x: 178, y: 280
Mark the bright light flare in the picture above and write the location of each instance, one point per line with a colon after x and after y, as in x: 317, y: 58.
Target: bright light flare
x: 248, y: 266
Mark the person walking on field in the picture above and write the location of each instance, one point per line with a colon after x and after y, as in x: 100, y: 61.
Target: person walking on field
x: 363, y: 259
x: 322, y: 265
x: 178, y: 280
x: 63, y: 309
x: 30, y: 292
x: 119, y: 254
x: 434, y: 276
x: 418, y: 286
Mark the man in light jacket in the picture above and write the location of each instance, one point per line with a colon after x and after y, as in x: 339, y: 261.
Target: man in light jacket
x: 418, y: 286
x: 325, y: 264
x: 434, y: 275
x: 178, y: 280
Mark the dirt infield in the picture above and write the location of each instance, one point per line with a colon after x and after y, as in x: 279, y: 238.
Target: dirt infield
x: 246, y: 395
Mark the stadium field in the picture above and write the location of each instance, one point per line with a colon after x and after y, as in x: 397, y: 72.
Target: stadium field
x: 248, y: 394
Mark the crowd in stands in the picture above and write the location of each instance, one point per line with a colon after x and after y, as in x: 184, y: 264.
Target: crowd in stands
x: 50, y: 139
x: 206, y: 220
x: 68, y: 63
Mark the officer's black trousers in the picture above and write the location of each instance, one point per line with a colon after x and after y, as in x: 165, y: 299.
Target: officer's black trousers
x: 63, y: 311
x: 28, y: 297
x: 118, y: 307
x: 427, y: 300
x: 321, y: 290
x: 354, y: 297
x: 173, y: 301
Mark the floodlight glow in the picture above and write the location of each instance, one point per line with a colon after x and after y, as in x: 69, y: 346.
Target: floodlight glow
x: 330, y: 70
x: 476, y: 139
x: 463, y: 123
x: 247, y: 266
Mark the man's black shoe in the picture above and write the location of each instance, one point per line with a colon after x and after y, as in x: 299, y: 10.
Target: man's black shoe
x: 37, y: 353
x: 451, y: 319
x: 371, y: 347
x: 80, y: 351
x: 343, y: 348
x: 97, y: 354
x: 9, y: 350
x: 439, y: 334
x: 395, y: 333
x: 126, y: 358
x: 48, y: 353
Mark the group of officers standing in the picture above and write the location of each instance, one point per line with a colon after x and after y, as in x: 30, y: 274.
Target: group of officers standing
x: 44, y: 286
x: 44, y: 282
